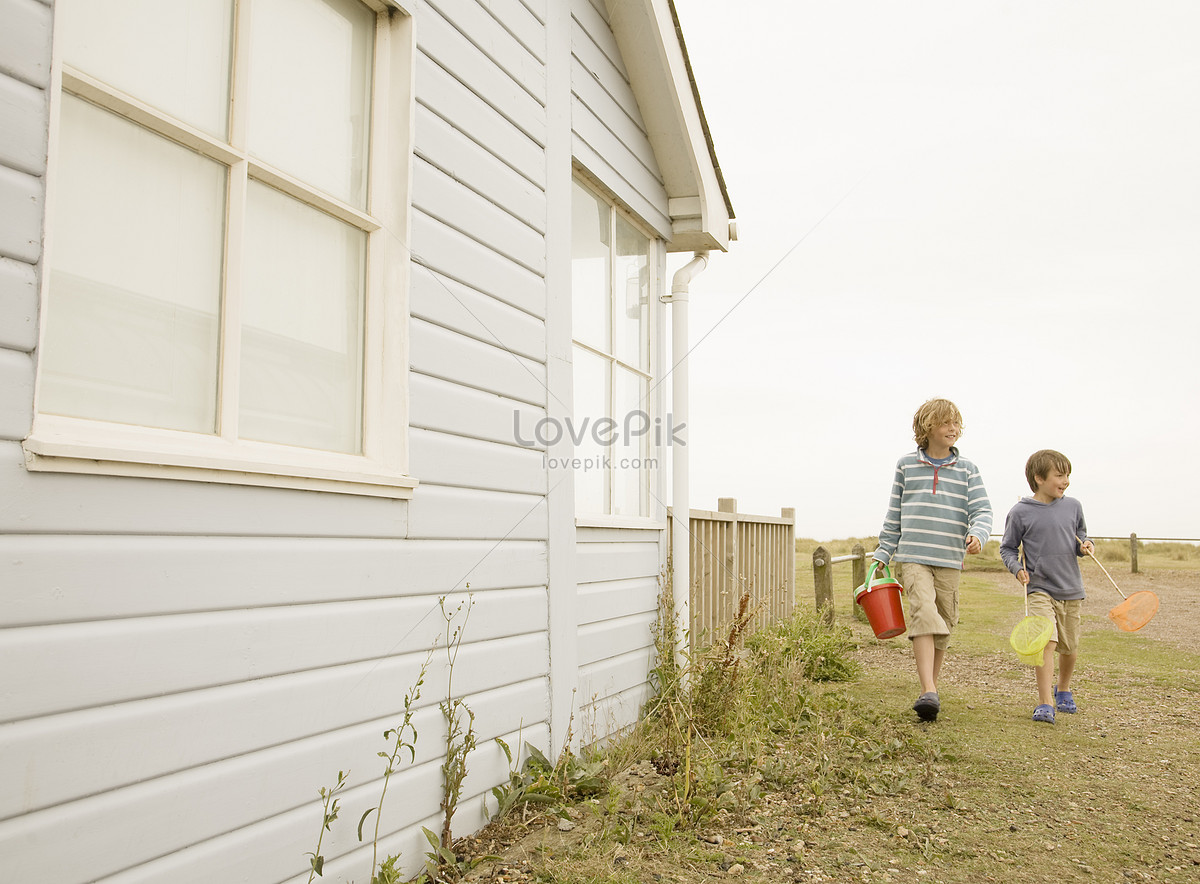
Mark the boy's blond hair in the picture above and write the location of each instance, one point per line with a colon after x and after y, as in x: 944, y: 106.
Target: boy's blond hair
x: 932, y: 415
x: 1040, y: 464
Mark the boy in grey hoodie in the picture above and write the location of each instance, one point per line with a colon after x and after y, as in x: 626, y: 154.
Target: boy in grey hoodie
x: 1052, y: 532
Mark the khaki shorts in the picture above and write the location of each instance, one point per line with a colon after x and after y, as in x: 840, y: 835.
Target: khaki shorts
x: 1065, y: 615
x: 932, y: 595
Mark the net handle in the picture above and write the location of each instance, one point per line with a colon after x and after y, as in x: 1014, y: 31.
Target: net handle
x: 1102, y: 568
x: 1024, y: 589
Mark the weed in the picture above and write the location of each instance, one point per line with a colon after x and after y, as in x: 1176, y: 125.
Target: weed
x: 460, y: 732
x: 400, y: 744
x: 330, y: 808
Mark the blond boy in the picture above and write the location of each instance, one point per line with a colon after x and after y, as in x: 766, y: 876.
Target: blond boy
x: 937, y: 510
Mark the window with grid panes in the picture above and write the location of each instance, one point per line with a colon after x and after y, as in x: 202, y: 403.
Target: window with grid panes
x: 611, y: 288
x: 224, y: 251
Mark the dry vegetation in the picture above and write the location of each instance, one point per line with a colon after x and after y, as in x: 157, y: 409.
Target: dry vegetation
x: 810, y: 779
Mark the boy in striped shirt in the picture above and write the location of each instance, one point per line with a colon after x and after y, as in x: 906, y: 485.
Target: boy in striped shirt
x: 938, y: 508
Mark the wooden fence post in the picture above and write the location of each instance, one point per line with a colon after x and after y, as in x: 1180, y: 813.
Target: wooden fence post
x: 858, y: 572
x: 1133, y: 553
x: 823, y: 583
x: 789, y: 512
x: 729, y: 556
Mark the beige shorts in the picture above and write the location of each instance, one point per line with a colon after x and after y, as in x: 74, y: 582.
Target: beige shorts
x: 1066, y: 617
x: 932, y: 595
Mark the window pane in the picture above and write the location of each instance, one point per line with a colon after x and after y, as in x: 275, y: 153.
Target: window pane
x: 591, y: 404
x: 310, y: 91
x: 135, y: 277
x: 631, y: 339
x: 590, y: 270
x: 171, y: 54
x: 630, y: 474
x: 302, y: 325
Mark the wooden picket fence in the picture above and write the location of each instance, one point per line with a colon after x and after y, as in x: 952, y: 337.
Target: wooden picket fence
x: 732, y: 553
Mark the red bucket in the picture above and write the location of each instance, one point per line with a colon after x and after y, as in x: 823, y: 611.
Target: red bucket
x: 880, y: 600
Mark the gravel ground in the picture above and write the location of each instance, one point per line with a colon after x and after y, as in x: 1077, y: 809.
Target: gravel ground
x: 1177, y: 621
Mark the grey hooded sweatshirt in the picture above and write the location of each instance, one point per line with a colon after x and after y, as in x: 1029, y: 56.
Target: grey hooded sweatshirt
x: 1048, y: 532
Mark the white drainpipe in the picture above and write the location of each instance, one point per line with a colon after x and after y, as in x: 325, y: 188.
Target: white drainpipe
x: 680, y: 502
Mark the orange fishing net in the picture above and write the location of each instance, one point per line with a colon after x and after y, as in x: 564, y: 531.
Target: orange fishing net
x: 1136, y: 611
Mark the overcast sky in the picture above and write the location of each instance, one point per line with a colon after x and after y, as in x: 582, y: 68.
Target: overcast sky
x: 1015, y: 225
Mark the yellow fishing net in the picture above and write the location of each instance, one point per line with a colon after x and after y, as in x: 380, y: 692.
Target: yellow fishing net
x: 1029, y: 639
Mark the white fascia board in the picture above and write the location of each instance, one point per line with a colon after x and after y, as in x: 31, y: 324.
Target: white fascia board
x: 658, y: 73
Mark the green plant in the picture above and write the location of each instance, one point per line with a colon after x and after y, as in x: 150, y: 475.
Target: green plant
x: 460, y: 736
x: 400, y: 745
x: 810, y: 646
x: 533, y: 784
x: 330, y: 808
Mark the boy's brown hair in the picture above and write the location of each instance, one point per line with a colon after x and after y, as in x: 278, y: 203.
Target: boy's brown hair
x: 932, y: 415
x: 1040, y: 464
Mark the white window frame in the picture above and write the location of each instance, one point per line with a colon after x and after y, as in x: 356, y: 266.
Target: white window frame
x: 76, y: 445
x: 608, y: 518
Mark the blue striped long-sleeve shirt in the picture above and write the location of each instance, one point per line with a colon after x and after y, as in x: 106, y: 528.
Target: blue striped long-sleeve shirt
x: 933, y: 510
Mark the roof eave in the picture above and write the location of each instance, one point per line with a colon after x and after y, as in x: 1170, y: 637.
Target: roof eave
x: 660, y: 73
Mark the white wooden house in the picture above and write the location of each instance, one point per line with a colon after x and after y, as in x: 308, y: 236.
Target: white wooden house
x: 303, y: 304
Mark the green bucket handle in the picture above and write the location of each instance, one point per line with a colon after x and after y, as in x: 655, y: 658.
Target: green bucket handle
x: 887, y: 572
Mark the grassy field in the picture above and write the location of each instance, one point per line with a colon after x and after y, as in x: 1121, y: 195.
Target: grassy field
x: 820, y: 771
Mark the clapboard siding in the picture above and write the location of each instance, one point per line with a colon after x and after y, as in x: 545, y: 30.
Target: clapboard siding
x: 611, y: 638
x: 442, y: 353
x: 522, y: 103
x: 525, y: 21
x: 453, y: 254
x: 537, y: 8
x: 25, y: 41
x: 22, y: 147
x: 618, y: 712
x: 440, y: 405
x: 617, y: 674
x: 608, y: 134
x: 617, y: 598
x: 218, y: 797
x: 23, y: 198
x: 619, y: 572
x: 444, y: 459
x: 593, y: 30
x: 476, y: 167
x: 505, y: 32
x: 445, y: 512
x: 64, y: 503
x: 18, y: 306
x: 171, y: 734
x: 16, y: 394
x: 51, y: 579
x: 439, y: 196
x: 237, y: 857
x: 450, y: 99
x: 623, y: 122
x: 600, y: 562
x: 79, y: 665
x: 468, y: 311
